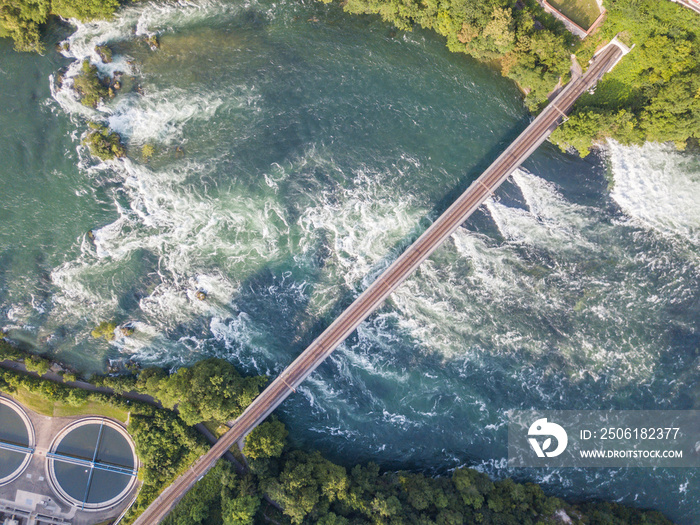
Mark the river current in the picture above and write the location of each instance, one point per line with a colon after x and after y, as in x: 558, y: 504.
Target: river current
x: 297, y: 151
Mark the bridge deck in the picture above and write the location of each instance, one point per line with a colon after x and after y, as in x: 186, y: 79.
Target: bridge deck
x: 534, y: 135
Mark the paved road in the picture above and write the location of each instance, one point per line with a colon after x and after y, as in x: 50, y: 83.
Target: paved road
x: 387, y: 282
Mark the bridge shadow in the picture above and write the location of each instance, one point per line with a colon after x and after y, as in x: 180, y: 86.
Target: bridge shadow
x: 299, y: 326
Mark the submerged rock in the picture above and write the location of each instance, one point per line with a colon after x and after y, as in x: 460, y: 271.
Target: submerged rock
x: 105, y: 53
x: 202, y: 296
x: 153, y: 42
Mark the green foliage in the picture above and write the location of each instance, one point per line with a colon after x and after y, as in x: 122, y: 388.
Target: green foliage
x: 307, y: 485
x: 104, y: 330
x: 652, y: 94
x: 266, y: 440
x: 37, y: 364
x: 77, y: 397
x: 166, y: 446
x: 211, y: 390
x: 89, y: 86
x: 120, y: 384
x: 147, y: 151
x: 240, y: 510
x: 105, y: 53
x: 84, y: 10
x: 202, y: 504
x: 221, y: 497
x: 472, y: 486
x: 22, y: 20
x: 312, y: 490
x: 106, y: 145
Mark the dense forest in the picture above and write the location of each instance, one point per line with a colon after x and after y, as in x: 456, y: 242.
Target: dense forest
x: 281, y: 485
x: 306, y: 488
x: 652, y: 95
x: 286, y: 486
x: 22, y: 20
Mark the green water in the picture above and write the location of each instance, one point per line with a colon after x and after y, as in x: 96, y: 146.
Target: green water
x: 298, y: 150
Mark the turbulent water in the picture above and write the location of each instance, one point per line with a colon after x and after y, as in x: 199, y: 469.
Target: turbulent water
x: 298, y: 150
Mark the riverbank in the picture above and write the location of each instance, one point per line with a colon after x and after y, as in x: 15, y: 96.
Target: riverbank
x: 307, y: 488
x: 312, y: 151
x: 652, y: 98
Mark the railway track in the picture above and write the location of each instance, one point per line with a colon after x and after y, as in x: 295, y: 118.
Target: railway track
x: 375, y: 294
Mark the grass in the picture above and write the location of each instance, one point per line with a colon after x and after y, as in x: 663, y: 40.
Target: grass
x: 215, y: 428
x: 58, y: 409
x: 582, y: 12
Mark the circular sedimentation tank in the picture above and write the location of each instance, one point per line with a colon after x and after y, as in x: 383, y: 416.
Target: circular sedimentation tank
x: 16, y: 440
x: 92, y: 464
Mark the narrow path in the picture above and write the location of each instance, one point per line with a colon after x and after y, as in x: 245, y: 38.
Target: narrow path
x: 135, y: 396
x: 375, y: 294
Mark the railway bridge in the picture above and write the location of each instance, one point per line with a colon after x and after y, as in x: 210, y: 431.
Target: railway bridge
x: 375, y: 294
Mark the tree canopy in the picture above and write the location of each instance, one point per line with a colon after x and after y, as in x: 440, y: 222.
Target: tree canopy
x: 22, y: 20
x: 653, y: 94
x: 210, y: 390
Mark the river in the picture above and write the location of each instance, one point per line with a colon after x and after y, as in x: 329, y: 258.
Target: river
x: 297, y: 150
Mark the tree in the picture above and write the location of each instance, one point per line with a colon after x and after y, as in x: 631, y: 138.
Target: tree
x: 76, y: 397
x: 240, y: 510
x: 499, y: 30
x: 307, y: 485
x: 37, y: 364
x: 105, y: 328
x: 21, y: 20
x: 472, y: 486
x: 266, y: 440
x: 211, y: 390
x: 84, y: 10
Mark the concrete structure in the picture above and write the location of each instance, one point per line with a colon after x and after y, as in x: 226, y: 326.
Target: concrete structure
x: 30, y: 498
x: 28, y: 450
x: 572, y: 26
x: 375, y: 294
x: 690, y: 4
x: 53, y: 457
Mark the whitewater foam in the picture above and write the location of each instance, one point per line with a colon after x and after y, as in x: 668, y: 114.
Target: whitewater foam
x: 658, y: 187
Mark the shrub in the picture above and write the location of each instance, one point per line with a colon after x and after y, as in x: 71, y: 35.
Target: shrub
x: 106, y: 145
x: 89, y: 86
x: 84, y: 10
x: 37, y: 364
x: 104, y: 330
x: 147, y: 151
x: 266, y: 440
